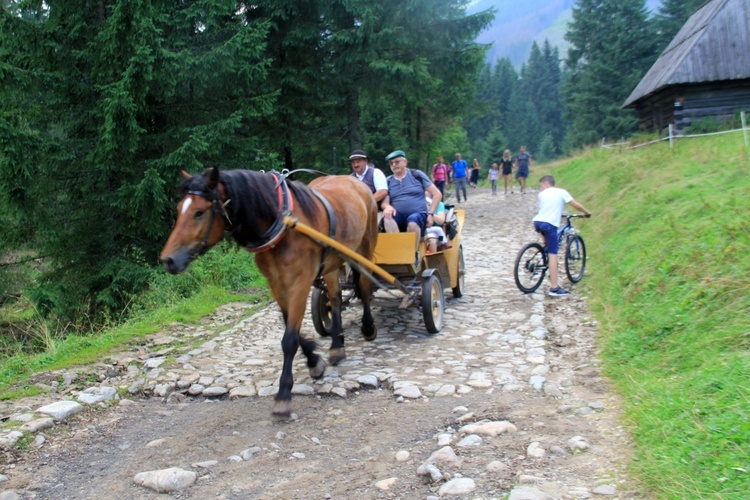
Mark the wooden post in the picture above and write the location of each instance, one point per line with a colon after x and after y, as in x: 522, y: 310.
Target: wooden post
x: 602, y: 142
x: 744, y: 129
x: 671, y: 136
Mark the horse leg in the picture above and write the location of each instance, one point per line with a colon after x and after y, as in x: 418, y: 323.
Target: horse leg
x: 364, y: 292
x: 337, y: 353
x: 290, y: 342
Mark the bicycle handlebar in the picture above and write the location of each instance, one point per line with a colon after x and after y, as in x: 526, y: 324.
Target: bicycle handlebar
x: 576, y: 216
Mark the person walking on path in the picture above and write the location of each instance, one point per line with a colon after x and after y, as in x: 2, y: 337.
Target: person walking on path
x: 523, y: 167
x: 507, y: 170
x: 494, y: 171
x: 475, y: 168
x: 404, y: 207
x: 460, y: 170
x: 440, y: 175
x: 373, y: 177
x: 552, y: 202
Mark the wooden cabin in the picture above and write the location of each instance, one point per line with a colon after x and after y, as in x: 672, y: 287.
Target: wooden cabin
x: 703, y: 73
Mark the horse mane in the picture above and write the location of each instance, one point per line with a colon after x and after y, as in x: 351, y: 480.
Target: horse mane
x: 253, y: 198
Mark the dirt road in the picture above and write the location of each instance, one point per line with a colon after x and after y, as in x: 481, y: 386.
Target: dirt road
x: 202, y: 397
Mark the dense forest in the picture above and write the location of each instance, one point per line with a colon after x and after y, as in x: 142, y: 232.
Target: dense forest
x: 102, y: 104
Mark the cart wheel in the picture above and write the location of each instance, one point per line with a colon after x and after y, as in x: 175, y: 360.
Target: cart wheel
x: 320, y: 308
x: 458, y: 290
x: 433, y: 303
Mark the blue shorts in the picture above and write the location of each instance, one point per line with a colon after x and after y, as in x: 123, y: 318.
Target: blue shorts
x: 403, y: 220
x: 550, y: 235
x: 522, y: 172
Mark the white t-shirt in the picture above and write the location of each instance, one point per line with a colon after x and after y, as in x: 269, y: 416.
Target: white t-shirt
x: 378, y: 178
x: 551, y: 205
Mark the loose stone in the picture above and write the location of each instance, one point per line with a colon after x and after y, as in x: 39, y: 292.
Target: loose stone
x: 430, y: 472
x: 605, y: 489
x: 166, y: 480
x: 38, y: 425
x: 577, y: 444
x: 61, y: 410
x: 488, y: 428
x: 459, y: 486
x: 95, y: 395
x: 528, y: 493
x: 470, y: 440
x: 213, y: 392
x: 535, y: 450
x: 385, y: 484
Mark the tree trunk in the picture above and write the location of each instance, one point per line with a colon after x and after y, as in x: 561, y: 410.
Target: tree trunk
x: 353, y: 116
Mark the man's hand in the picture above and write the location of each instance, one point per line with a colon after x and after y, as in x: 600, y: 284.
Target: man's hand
x: 389, y: 212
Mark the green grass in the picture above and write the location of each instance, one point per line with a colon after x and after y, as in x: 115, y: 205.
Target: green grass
x: 670, y: 284
x: 221, y: 276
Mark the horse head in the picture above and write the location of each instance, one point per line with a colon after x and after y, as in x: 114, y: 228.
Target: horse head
x: 201, y: 220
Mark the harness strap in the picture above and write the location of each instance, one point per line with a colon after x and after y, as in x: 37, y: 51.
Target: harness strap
x: 331, y: 233
x: 278, y: 229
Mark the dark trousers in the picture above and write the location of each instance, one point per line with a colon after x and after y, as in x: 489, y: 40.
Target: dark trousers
x: 441, y: 186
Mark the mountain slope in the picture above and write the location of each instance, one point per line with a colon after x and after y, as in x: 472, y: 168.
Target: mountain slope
x: 518, y: 24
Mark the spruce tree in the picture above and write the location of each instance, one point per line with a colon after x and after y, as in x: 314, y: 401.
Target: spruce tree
x: 102, y: 107
x: 612, y: 47
x: 671, y: 17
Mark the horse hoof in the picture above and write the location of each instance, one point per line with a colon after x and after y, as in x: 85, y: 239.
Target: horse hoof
x: 336, y: 356
x: 370, y: 333
x: 282, y: 408
x: 319, y: 369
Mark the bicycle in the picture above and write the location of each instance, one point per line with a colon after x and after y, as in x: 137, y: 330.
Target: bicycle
x: 532, y: 261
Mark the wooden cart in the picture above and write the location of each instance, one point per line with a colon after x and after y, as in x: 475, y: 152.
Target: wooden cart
x: 393, y: 269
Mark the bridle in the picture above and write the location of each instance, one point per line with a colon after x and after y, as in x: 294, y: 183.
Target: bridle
x: 217, y: 207
x: 273, y: 234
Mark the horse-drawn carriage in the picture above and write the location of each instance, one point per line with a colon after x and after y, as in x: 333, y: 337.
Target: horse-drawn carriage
x: 394, y: 258
x: 292, y: 228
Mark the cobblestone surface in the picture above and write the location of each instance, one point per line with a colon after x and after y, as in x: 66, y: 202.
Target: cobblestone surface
x: 511, y: 384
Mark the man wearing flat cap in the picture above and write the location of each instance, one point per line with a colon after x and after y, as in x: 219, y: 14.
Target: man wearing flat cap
x: 373, y: 177
x: 405, y: 209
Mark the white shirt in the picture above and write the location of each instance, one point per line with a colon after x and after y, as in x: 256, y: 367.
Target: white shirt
x: 378, y: 178
x: 551, y: 205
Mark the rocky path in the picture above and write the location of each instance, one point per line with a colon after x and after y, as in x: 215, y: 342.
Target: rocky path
x: 507, y: 401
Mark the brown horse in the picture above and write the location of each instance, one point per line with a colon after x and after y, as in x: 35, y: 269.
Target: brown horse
x: 251, y: 205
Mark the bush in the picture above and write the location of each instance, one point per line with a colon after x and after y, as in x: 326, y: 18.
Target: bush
x: 226, y: 266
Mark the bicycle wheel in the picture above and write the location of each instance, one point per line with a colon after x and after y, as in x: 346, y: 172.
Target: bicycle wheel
x: 575, y: 258
x: 531, y: 266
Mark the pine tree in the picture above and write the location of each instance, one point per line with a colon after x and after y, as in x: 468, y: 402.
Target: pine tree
x: 102, y: 107
x: 671, y: 17
x: 612, y: 48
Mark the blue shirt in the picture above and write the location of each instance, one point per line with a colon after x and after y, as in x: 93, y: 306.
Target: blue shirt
x: 407, y: 194
x: 459, y: 168
x: 522, y: 160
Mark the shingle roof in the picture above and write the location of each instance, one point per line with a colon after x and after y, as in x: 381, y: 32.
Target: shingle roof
x: 713, y: 45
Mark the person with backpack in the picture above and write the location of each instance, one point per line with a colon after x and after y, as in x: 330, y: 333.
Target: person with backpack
x: 404, y: 207
x: 440, y: 174
x: 460, y: 170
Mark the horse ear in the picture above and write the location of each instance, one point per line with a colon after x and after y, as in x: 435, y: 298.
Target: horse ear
x: 213, y: 178
x: 185, y: 175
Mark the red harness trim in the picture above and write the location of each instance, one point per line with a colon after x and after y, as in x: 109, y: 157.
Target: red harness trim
x: 276, y: 239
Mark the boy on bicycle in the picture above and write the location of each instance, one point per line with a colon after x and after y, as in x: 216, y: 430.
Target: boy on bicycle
x: 552, y: 202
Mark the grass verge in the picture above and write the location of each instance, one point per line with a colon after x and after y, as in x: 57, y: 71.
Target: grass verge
x: 670, y: 261
x: 221, y: 276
